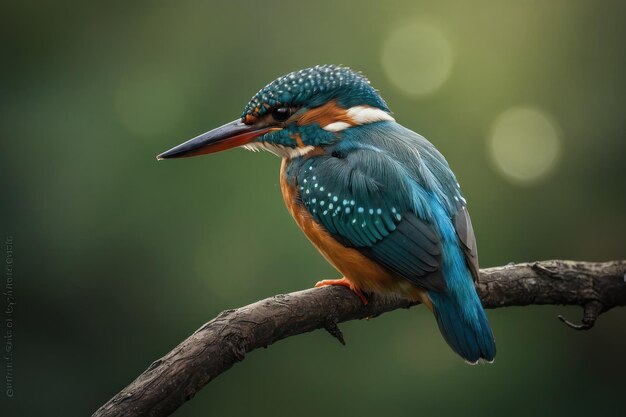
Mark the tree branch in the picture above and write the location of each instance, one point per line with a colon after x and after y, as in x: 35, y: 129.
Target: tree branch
x: 225, y: 340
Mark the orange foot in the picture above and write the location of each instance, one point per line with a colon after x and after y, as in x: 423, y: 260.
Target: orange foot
x: 344, y: 283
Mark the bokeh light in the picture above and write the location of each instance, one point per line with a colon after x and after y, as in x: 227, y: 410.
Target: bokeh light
x: 417, y: 58
x: 524, y: 144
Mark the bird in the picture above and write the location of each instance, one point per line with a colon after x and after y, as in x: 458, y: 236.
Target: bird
x: 376, y: 199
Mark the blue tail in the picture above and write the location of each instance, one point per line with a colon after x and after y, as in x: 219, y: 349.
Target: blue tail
x: 464, y: 327
x: 460, y: 315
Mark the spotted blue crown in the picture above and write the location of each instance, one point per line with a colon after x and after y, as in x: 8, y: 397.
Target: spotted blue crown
x: 313, y: 87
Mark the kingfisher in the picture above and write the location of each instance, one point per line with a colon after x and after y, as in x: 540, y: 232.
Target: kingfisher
x: 376, y: 199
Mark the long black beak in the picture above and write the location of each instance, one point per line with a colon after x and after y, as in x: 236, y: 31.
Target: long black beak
x: 228, y: 136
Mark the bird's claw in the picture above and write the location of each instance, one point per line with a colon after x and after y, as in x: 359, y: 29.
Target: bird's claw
x: 344, y: 283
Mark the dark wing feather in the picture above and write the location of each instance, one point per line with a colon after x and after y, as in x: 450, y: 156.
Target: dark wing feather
x: 465, y: 232
x: 413, y: 251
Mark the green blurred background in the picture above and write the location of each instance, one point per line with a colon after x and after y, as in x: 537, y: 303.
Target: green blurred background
x: 118, y: 257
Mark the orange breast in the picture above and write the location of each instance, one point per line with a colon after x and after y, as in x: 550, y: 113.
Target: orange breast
x: 361, y: 271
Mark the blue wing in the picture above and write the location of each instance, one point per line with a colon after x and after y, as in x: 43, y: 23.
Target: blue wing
x: 375, y: 192
x: 366, y: 200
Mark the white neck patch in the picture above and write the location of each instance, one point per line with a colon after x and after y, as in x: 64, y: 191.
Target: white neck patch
x: 360, y: 115
x: 278, y: 150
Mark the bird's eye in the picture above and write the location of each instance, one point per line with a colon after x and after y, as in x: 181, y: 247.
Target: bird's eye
x: 281, y: 114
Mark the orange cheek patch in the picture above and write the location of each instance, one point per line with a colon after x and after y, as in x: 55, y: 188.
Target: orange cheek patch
x: 325, y: 115
x: 250, y: 119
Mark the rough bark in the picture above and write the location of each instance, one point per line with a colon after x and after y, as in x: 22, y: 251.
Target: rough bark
x: 225, y: 340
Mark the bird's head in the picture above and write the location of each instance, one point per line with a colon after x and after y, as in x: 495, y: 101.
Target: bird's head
x: 295, y: 114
